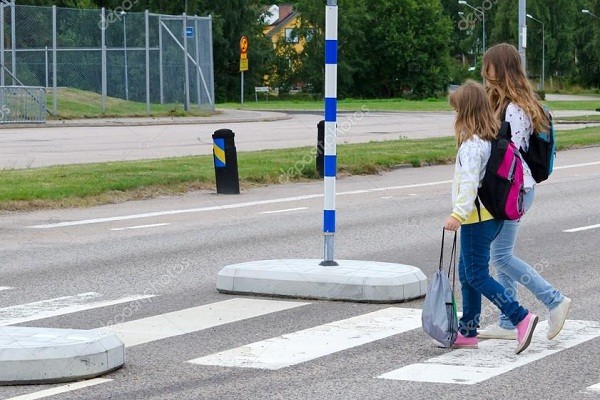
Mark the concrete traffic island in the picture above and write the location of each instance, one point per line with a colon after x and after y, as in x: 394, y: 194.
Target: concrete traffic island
x: 42, y: 355
x: 360, y: 281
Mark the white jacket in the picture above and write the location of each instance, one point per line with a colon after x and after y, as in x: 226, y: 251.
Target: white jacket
x: 469, y: 170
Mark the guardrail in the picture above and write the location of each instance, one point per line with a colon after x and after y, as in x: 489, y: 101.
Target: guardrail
x: 22, y: 105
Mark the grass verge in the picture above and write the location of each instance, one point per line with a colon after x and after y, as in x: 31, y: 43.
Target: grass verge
x: 344, y: 105
x: 352, y: 105
x: 583, y: 118
x: 75, y: 103
x: 86, y: 185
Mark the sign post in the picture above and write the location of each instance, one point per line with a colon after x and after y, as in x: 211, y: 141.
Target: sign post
x: 243, y: 63
x: 330, y: 157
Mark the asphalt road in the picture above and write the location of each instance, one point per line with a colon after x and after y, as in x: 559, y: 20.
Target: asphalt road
x: 34, y: 147
x: 174, y: 254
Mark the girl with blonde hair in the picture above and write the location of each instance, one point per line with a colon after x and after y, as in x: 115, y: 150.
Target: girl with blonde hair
x: 514, y: 100
x: 475, y: 128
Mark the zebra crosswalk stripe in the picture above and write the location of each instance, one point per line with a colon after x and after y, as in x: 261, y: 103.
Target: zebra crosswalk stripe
x: 61, y: 389
x: 194, y: 319
x: 494, y: 357
x: 594, y: 388
x: 59, y: 306
x: 305, y: 345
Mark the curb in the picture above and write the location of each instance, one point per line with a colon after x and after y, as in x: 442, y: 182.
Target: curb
x: 351, y: 280
x: 44, y: 355
x: 262, y: 116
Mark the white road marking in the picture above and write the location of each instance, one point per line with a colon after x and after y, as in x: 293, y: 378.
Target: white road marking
x: 58, y: 306
x: 282, y: 211
x: 224, y: 207
x: 253, y: 203
x: 312, y: 343
x: 140, y: 227
x: 594, y: 388
x: 583, y: 228
x: 494, y: 357
x: 5, y: 288
x: 194, y: 319
x: 61, y: 389
x: 578, y: 165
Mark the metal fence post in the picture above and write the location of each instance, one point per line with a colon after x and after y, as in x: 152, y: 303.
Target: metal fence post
x: 104, y: 77
x: 147, y: 23
x: 13, y: 40
x: 2, y: 44
x: 160, y: 61
x: 186, y: 91
x: 197, y: 42
x: 124, y: 14
x: 212, y: 67
x: 47, y: 68
x: 54, y: 64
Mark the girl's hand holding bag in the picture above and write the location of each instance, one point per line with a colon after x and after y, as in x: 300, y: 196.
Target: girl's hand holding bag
x: 439, y: 317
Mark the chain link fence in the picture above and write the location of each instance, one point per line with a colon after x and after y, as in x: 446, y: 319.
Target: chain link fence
x: 92, y: 60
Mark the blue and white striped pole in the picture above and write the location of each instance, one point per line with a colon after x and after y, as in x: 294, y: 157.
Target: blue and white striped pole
x: 330, y: 158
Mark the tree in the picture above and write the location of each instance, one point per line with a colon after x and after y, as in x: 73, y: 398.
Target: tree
x: 385, y: 48
x: 410, y: 51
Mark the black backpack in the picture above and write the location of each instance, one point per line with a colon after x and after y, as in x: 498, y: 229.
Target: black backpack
x: 541, y: 151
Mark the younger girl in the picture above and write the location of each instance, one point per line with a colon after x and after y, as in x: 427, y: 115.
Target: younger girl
x: 475, y: 126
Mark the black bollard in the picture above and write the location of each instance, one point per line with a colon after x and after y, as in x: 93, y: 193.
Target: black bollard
x: 320, y: 148
x: 225, y: 159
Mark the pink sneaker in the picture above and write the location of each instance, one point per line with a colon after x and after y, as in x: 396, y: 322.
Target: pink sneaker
x: 525, y: 330
x: 465, y: 342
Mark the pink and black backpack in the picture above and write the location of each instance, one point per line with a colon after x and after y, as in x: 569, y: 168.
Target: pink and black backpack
x: 502, y: 190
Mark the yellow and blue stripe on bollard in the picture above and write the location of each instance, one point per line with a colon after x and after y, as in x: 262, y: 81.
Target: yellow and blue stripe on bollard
x: 219, y: 153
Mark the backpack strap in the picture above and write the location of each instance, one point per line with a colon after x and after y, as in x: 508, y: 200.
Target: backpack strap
x: 505, y: 131
x: 478, y: 205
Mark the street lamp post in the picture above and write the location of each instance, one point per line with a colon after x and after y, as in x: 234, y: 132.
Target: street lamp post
x: 125, y: 54
x: 477, y: 10
x: 543, y: 49
x: 590, y: 13
x: 462, y: 14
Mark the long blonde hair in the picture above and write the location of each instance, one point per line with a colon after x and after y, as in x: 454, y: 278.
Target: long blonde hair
x: 475, y: 115
x: 508, y: 83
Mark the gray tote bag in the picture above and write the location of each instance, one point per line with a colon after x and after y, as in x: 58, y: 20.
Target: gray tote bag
x: 439, y: 317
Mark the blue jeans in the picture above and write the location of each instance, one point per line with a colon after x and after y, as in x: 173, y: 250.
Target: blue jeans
x: 511, y: 269
x: 475, y: 279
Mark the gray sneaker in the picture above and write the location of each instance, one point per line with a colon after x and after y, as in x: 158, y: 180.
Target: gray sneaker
x: 497, y: 332
x: 557, y: 317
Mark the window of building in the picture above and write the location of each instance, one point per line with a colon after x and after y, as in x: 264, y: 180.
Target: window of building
x: 291, y: 35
